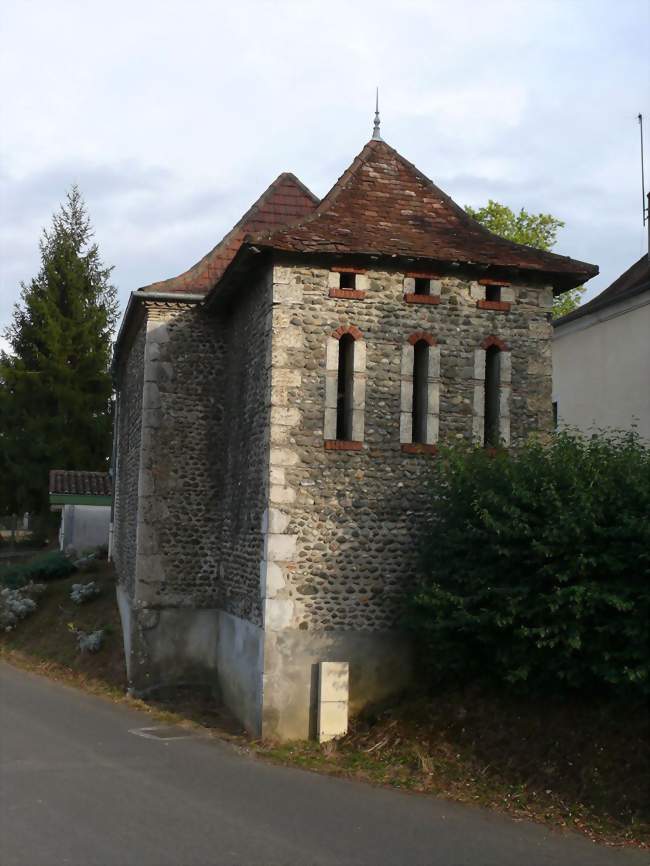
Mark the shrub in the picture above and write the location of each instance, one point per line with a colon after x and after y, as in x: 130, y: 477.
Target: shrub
x: 82, y: 592
x: 50, y: 566
x: 536, y: 565
x: 85, y: 562
x: 16, y: 604
x: 90, y: 642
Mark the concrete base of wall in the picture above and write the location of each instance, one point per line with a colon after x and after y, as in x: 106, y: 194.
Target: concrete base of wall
x: 269, y: 681
x: 168, y: 647
x: 240, y: 657
x: 202, y: 648
x: 380, y: 664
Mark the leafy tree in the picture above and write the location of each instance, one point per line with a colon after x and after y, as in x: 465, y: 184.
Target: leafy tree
x: 534, y: 230
x: 55, y: 385
x: 567, y: 301
x: 536, y: 566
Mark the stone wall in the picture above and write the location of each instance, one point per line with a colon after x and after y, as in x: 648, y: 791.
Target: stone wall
x: 131, y: 380
x: 181, y: 427
x: 243, y: 452
x: 347, y: 522
x: 248, y: 551
x: 203, y: 468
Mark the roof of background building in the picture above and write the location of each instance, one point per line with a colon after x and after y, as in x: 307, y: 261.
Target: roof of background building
x: 285, y: 200
x: 80, y: 483
x: 384, y: 206
x: 632, y: 282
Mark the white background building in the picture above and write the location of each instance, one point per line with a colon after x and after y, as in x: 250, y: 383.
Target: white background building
x: 601, y: 357
x: 84, y: 500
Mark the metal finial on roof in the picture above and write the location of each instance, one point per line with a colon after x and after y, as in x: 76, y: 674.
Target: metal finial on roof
x: 376, y: 134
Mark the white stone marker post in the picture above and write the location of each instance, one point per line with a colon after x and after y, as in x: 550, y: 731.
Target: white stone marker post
x: 333, y: 695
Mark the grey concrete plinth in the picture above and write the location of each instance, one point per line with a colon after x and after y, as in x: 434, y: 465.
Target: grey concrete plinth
x: 268, y: 681
x: 380, y: 665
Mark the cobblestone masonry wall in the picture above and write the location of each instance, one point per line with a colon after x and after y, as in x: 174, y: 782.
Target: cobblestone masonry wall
x: 204, y: 466
x: 129, y: 440
x: 343, y: 524
x: 245, y: 450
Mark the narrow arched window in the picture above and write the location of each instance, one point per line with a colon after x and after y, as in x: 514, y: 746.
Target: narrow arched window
x: 420, y: 391
x: 345, y: 384
x: 492, y: 389
x: 419, y: 394
x: 345, y: 390
x: 491, y: 429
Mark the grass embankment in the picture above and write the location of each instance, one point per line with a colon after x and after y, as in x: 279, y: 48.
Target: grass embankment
x: 46, y: 641
x: 565, y: 764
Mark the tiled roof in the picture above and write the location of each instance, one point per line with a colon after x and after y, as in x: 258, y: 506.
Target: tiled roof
x: 80, y: 483
x: 286, y: 200
x: 382, y: 205
x: 634, y: 281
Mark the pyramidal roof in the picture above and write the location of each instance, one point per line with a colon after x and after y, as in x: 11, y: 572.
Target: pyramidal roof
x: 285, y: 200
x: 384, y: 206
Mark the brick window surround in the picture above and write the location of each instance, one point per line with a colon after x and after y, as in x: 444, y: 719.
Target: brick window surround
x: 495, y: 306
x: 505, y: 387
x: 431, y: 395
x: 358, y: 391
x: 418, y: 448
x: 503, y: 303
x: 413, y: 293
x: 348, y: 293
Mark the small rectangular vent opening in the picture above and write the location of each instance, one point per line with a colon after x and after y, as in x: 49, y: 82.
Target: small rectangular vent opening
x: 422, y: 285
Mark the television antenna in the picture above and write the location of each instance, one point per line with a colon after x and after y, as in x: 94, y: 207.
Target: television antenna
x: 645, y: 208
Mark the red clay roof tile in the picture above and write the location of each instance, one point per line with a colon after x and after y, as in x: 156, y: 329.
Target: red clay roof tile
x: 382, y: 205
x: 286, y: 200
x: 80, y: 482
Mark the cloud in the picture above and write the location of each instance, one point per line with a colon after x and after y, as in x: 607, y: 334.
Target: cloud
x: 173, y: 117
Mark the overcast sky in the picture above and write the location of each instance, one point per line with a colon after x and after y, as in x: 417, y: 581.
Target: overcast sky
x: 174, y: 116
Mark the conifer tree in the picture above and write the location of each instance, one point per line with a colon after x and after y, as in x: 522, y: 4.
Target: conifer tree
x: 55, y: 385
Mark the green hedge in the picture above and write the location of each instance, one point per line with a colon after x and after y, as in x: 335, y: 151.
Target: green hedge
x: 537, y: 564
x: 50, y: 566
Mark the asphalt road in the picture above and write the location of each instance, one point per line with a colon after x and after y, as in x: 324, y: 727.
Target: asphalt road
x: 78, y: 787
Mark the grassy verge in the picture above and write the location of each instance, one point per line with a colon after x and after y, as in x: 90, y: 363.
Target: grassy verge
x: 47, y: 636
x: 45, y: 644
x: 573, y: 765
x: 568, y: 765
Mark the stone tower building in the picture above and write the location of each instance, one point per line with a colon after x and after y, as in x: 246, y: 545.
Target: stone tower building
x: 279, y: 404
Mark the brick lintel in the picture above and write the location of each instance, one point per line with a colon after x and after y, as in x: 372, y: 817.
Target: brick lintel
x: 342, y: 445
x: 348, y: 294
x: 487, y: 281
x: 340, y: 269
x: 497, y: 306
x: 418, y: 448
x: 412, y: 298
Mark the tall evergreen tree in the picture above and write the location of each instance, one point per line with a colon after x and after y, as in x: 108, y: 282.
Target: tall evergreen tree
x: 55, y: 386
